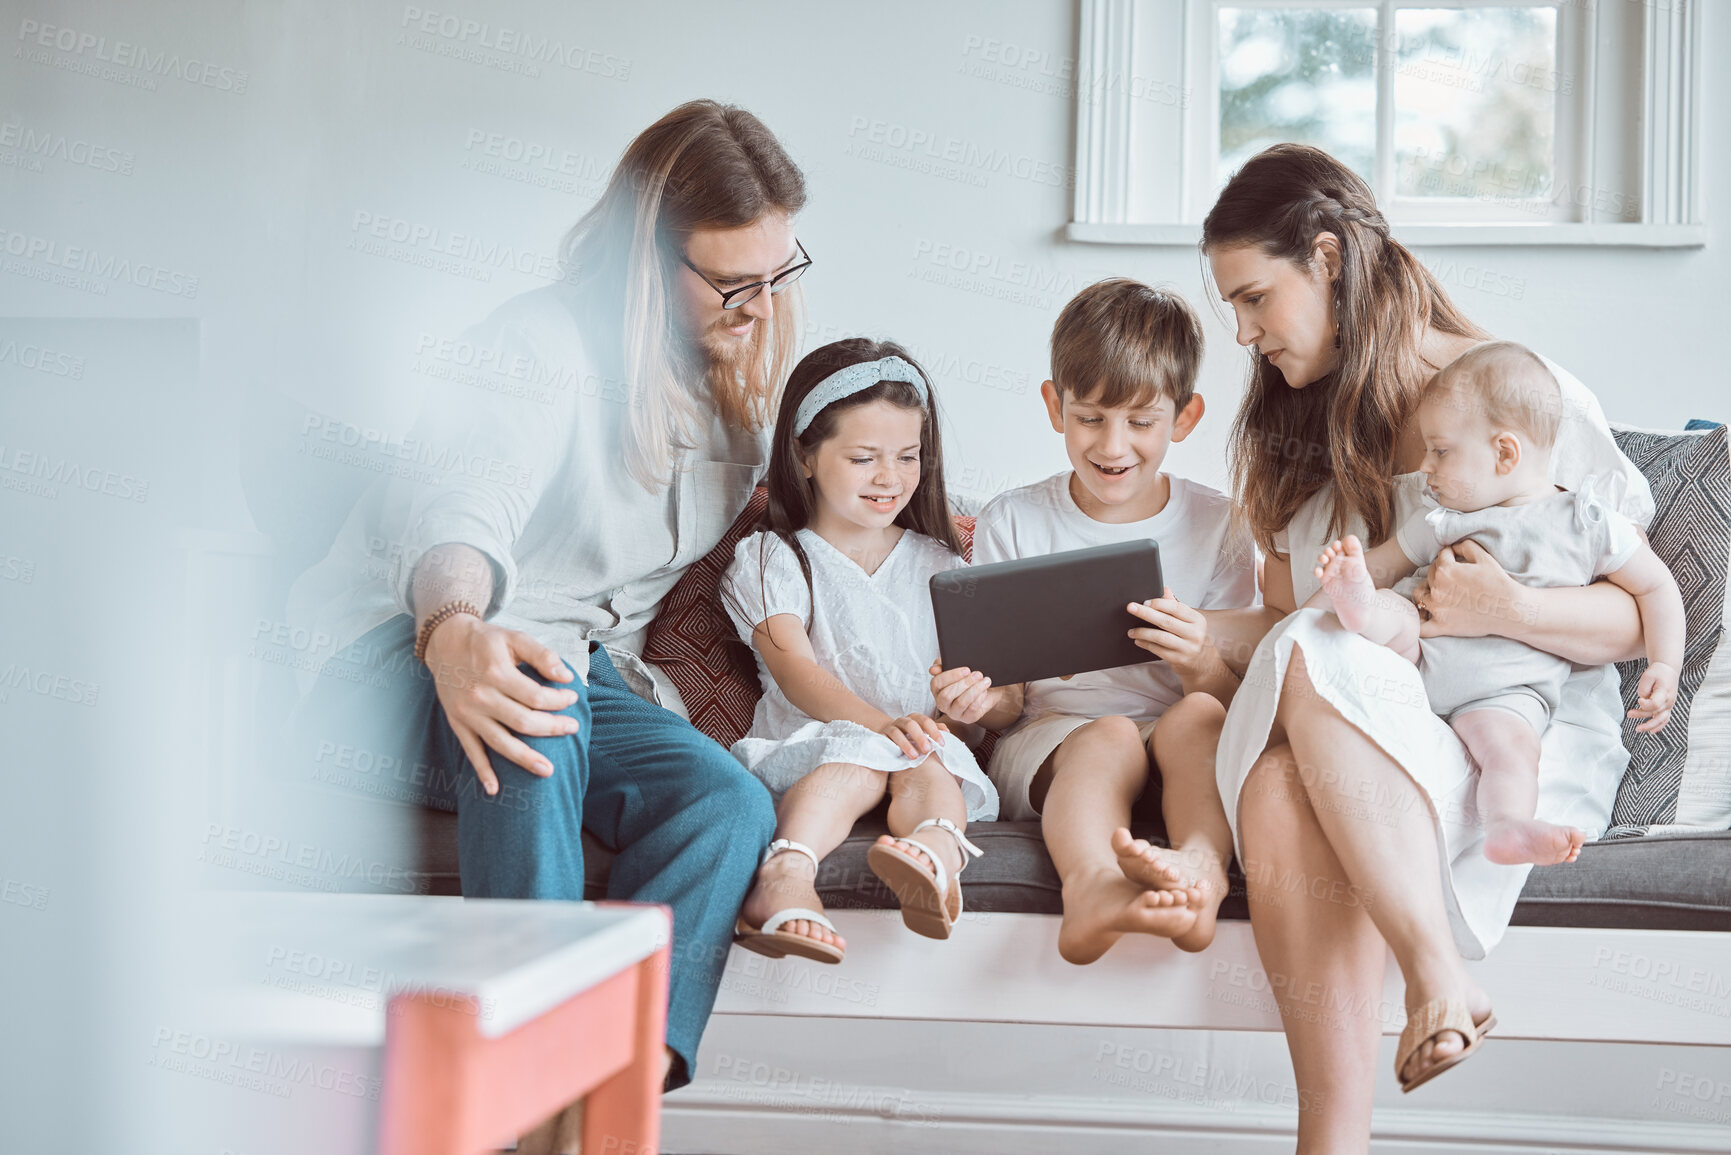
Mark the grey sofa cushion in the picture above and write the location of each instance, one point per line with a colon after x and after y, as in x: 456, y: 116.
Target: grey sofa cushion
x: 1678, y: 779
x: 1660, y: 882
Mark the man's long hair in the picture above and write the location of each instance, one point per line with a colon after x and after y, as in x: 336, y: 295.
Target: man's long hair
x: 1344, y: 428
x: 704, y: 165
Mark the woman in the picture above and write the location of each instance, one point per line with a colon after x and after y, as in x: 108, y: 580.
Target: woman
x: 1332, y: 763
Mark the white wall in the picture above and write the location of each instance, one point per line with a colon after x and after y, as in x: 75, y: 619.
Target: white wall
x: 256, y: 194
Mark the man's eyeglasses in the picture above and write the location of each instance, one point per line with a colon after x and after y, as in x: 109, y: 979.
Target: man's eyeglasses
x: 734, y: 298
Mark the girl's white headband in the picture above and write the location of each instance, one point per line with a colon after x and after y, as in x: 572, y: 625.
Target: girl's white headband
x: 852, y: 379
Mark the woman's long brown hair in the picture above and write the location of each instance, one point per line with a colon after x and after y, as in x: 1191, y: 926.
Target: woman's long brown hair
x: 793, y: 496
x: 1344, y: 428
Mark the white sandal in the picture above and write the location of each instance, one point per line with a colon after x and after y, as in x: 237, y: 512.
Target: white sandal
x: 931, y: 900
x: 769, y: 939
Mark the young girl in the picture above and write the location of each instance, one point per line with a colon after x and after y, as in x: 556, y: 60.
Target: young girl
x: 833, y: 599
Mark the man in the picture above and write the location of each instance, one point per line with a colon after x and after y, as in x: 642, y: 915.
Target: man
x: 525, y: 579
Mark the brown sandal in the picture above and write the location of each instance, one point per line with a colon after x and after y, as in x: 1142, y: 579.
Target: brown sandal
x: 1425, y: 1024
x: 931, y: 900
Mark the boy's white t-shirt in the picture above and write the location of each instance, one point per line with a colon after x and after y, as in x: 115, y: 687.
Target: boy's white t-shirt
x: 1208, y: 565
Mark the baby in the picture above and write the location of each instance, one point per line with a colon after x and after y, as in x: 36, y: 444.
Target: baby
x: 1489, y: 422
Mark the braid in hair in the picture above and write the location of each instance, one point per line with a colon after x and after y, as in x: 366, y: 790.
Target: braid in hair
x: 1346, y: 426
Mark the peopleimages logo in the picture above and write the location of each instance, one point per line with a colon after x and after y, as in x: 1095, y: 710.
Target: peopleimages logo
x: 301, y: 863
x: 16, y: 677
x: 513, y: 43
x: 378, y: 451
x: 255, y: 1068
x: 51, y: 471
x: 93, y: 263
x: 535, y: 163
x: 27, y: 355
x: 927, y: 144
x: 124, y: 54
x: 446, y: 251
x: 988, y: 274
x: 43, y: 145
x: 470, y: 363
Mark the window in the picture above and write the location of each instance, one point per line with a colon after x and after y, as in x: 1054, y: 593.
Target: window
x: 1475, y: 121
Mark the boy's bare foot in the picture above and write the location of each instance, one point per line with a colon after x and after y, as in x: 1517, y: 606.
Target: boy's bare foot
x: 1101, y: 906
x: 1210, y: 892
x: 1201, y: 877
x: 1205, y: 904
x: 788, y: 880
x: 1347, y: 582
x: 1149, y: 866
x: 1530, y: 840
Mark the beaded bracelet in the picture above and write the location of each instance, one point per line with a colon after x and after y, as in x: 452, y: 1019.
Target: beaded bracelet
x: 438, y: 618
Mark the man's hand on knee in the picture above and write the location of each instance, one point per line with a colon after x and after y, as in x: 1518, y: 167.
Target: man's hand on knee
x: 489, y: 702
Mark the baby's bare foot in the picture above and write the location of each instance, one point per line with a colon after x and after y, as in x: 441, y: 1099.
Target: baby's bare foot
x: 1530, y: 840
x: 1347, y: 581
x: 1101, y: 906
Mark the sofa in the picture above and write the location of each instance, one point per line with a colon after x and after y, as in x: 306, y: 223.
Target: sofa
x: 989, y: 1042
x: 1661, y: 881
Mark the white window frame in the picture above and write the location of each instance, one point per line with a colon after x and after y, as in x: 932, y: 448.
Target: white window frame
x: 1571, y: 144
x: 1571, y: 148
x: 1617, y: 53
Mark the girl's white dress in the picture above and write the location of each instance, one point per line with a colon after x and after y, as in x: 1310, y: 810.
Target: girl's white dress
x: 873, y: 631
x: 1581, y: 755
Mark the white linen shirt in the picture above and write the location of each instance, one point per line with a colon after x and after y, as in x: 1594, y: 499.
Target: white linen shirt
x: 523, y: 460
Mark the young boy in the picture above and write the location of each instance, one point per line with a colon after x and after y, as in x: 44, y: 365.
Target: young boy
x: 1124, y: 364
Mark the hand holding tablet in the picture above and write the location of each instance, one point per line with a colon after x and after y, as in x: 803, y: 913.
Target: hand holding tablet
x: 1047, y: 617
x: 1175, y: 633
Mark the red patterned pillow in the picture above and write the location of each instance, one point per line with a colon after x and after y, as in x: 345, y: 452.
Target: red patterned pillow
x: 694, y: 643
x: 692, y: 640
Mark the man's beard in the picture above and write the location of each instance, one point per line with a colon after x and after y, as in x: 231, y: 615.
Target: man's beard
x: 733, y: 368
x: 727, y: 356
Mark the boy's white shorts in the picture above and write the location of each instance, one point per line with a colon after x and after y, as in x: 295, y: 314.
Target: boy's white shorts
x: 1019, y: 754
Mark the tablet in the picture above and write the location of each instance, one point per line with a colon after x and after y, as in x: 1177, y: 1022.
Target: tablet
x: 1045, y: 617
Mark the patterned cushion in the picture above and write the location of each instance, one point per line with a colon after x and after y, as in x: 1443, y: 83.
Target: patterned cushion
x: 1680, y: 778
x: 694, y: 643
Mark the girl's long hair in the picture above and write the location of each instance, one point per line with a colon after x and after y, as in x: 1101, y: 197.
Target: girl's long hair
x: 702, y: 166
x: 1345, y: 427
x: 793, y: 496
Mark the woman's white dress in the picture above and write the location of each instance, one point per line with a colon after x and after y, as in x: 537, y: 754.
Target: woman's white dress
x: 1581, y: 755
x: 874, y: 632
